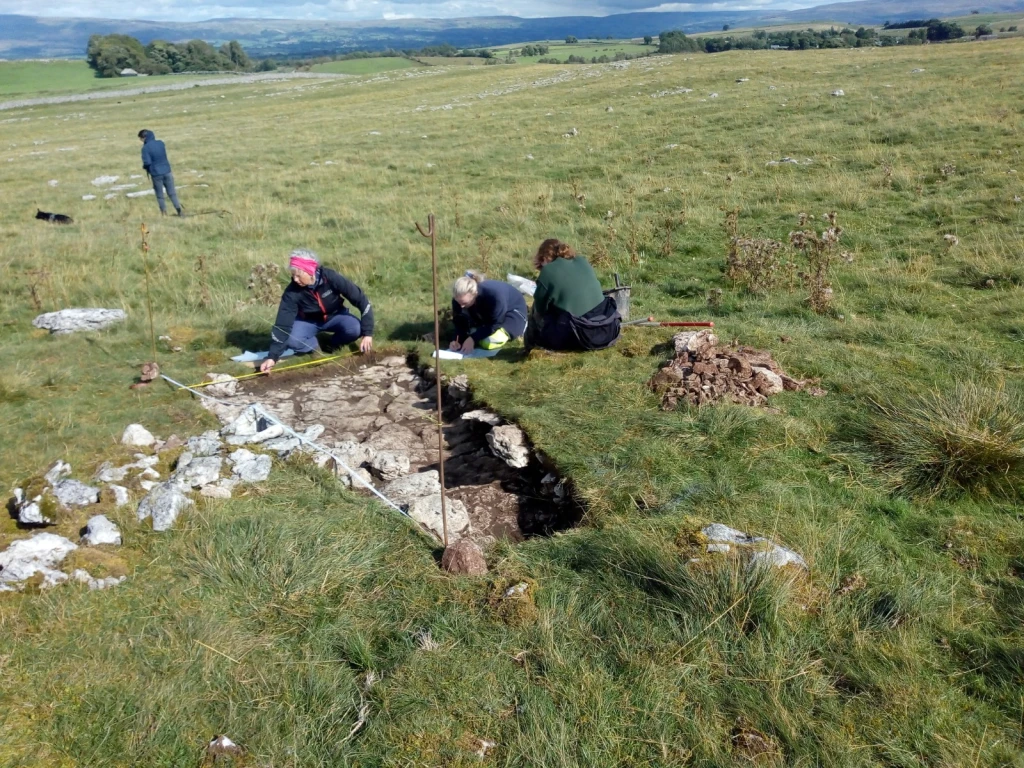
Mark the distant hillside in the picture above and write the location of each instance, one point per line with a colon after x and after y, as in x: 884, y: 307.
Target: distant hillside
x: 24, y: 37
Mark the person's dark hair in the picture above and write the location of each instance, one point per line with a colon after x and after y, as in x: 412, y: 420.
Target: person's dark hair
x: 550, y: 250
x: 143, y: 132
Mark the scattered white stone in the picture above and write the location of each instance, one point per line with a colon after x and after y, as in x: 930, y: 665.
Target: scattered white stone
x: 713, y: 96
x: 59, y: 470
x: 609, y: 109
x: 483, y: 416
x: 120, y: 495
x: 516, y: 590
x: 722, y: 538
x: 743, y: 80
x: 206, y: 444
x: 347, y: 480
x: 147, y: 485
x: 163, y: 503
x: 30, y: 511
x: 73, y: 320
x: 100, y: 530
x: 198, y: 472
x: 427, y: 512
x: 838, y: 92
x: 142, y: 193
x: 246, y: 424
x: 375, y: 133
x: 103, y: 181
x: 74, y: 493
x: 226, y: 386
x: 915, y: 71
x: 137, y: 435
x: 282, y: 445
x: 407, y: 489
x: 24, y: 558
x: 529, y: 157
x: 573, y: 132
x: 84, y: 577
x: 88, y: 197
x: 250, y: 467
x: 272, y: 431
x: 388, y: 465
x: 110, y: 196
x: 53, y: 182
x: 313, y: 432
x: 508, y: 443
x: 775, y: 384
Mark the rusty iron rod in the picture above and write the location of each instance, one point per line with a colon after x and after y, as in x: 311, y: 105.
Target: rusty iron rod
x: 149, y: 300
x: 432, y: 234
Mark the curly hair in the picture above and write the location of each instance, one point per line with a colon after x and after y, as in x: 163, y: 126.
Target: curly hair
x: 550, y: 250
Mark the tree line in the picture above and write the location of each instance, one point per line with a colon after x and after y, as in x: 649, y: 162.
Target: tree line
x: 932, y: 30
x: 109, y: 55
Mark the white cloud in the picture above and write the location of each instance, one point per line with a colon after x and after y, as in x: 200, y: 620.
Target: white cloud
x: 352, y: 10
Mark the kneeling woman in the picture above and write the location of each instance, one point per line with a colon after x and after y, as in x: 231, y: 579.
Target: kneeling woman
x: 487, y: 314
x: 569, y: 310
x: 314, y: 302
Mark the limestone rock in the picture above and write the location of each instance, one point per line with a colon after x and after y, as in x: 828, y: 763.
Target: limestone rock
x: 120, y: 495
x: 464, y: 557
x: 73, y: 493
x: 768, y: 382
x: 163, y: 503
x: 271, y: 432
x: 838, y: 92
x: 282, y: 445
x: 198, y: 472
x: 393, y: 362
x: 697, y: 342
x: 458, y: 388
x: 59, y: 470
x: 206, y: 444
x: 246, y: 424
x: 34, y: 510
x: 407, y: 489
x: 761, y: 551
x: 427, y: 512
x: 40, y: 554
x: 250, y: 467
x: 392, y: 437
x: 100, y: 530
x: 74, y: 320
x: 136, y: 434
x: 84, y: 577
x: 226, y: 386
x: 313, y: 432
x: 486, y: 417
x: 388, y: 465
x: 508, y: 443
x: 347, y: 481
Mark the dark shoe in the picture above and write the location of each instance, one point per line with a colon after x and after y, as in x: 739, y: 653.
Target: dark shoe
x: 181, y: 212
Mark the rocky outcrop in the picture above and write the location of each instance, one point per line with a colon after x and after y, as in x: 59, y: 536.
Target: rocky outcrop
x: 75, y: 320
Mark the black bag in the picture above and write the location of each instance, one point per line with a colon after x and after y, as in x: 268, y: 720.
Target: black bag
x: 599, y: 328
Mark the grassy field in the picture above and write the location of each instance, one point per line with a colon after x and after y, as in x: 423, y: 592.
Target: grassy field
x: 46, y: 78
x: 364, y: 66
x: 267, y: 617
x: 562, y: 50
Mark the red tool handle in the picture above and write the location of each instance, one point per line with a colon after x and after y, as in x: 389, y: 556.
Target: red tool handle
x: 688, y: 325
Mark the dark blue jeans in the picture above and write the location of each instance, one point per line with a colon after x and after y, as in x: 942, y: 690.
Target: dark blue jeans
x: 344, y: 325
x: 165, y: 181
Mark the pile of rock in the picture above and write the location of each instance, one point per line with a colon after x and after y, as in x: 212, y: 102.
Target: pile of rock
x: 702, y: 373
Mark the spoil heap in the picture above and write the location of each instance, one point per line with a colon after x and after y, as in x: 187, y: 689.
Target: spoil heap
x: 702, y: 372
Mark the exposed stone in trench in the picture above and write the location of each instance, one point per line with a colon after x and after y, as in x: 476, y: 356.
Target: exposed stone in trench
x: 381, y: 414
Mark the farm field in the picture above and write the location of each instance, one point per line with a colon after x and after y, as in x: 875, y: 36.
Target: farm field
x: 364, y: 66
x: 314, y: 627
x: 53, y: 78
x: 562, y: 50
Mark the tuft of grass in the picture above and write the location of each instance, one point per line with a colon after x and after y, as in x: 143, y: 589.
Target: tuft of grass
x: 967, y: 438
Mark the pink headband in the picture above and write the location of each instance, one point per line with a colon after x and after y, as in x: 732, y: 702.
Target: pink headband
x: 306, y: 265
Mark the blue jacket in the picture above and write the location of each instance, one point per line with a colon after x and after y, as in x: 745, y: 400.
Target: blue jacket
x: 154, y: 156
x: 497, y: 305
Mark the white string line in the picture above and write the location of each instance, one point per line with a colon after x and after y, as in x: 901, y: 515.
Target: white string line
x: 302, y: 439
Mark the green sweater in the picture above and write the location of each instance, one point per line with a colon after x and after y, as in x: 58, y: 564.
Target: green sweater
x: 570, y: 285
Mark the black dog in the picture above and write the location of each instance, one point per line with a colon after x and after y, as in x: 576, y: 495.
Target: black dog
x: 54, y: 218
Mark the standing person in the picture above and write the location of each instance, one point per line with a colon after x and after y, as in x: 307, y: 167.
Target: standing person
x: 569, y: 310
x: 314, y: 302
x: 158, y: 167
x: 487, y: 313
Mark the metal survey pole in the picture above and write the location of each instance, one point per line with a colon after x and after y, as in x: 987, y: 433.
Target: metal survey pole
x: 432, y: 234
x: 149, y: 300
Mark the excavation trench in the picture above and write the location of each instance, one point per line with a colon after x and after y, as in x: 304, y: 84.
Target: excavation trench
x: 388, y: 405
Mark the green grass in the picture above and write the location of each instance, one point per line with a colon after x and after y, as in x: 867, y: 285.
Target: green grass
x: 588, y: 50
x: 42, y: 78
x: 364, y: 66
x: 262, y: 616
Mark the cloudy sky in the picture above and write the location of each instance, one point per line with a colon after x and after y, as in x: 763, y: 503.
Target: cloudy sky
x: 347, y: 10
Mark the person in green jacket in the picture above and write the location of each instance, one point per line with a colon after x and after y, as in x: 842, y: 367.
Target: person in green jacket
x: 570, y: 312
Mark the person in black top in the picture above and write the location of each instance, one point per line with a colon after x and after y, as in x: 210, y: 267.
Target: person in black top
x: 314, y: 303
x: 487, y: 313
